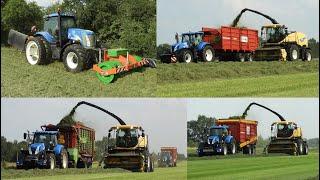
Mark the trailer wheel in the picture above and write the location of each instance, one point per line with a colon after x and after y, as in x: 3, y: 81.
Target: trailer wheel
x: 186, y: 56
x: 75, y: 58
x: 52, y: 161
x: 240, y: 57
x: 208, y: 53
x: 307, y: 55
x: 293, y: 52
x: 64, y: 159
x: 35, y: 51
x: 249, y: 57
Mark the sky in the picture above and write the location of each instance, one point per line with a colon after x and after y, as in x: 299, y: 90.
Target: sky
x: 45, y: 3
x: 303, y: 111
x: 164, y: 120
x: 190, y: 15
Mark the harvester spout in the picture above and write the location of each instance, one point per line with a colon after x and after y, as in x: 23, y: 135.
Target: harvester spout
x: 236, y: 20
x: 253, y: 103
x: 97, y: 107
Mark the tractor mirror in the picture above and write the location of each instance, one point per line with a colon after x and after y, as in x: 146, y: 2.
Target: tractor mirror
x: 109, y: 135
x: 24, y: 135
x: 271, y: 128
x: 142, y: 134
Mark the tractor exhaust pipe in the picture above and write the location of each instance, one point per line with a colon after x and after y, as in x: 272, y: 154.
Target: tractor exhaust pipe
x: 17, y: 39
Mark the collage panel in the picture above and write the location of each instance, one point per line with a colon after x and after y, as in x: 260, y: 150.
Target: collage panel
x: 110, y: 138
x: 253, y: 138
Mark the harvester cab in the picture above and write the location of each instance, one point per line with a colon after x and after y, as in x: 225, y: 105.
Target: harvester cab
x: 286, y: 136
x: 278, y: 43
x: 190, y: 48
x: 127, y: 148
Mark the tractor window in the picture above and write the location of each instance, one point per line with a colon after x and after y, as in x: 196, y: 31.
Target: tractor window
x: 66, y: 23
x: 44, y: 138
x: 185, y: 38
x: 51, y: 25
x: 273, y: 35
x: 217, y: 131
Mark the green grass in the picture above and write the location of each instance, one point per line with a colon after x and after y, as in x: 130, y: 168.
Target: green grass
x: 256, y: 167
x: 19, y: 79
x: 216, y: 79
x: 294, y: 85
x: 179, y: 172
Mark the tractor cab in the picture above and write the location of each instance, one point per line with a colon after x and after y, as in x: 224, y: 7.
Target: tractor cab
x: 219, y: 130
x: 284, y: 129
x: 192, y: 38
x: 125, y: 136
x: 273, y: 33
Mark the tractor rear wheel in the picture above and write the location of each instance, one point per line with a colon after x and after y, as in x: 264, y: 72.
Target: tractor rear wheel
x: 208, y: 54
x: 75, y: 58
x: 307, y: 55
x: 36, y: 51
x: 186, y: 56
x: 64, y: 159
x: 293, y: 52
x: 240, y: 57
x: 52, y: 161
x: 248, y: 57
x: 47, y: 49
x: 300, y: 146
x: 224, y: 149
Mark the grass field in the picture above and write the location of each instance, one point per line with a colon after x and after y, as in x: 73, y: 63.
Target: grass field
x: 216, y: 79
x: 179, y: 172
x: 241, y: 166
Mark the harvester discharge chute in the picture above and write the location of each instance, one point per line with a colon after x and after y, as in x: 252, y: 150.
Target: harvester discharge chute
x: 277, y: 42
x: 286, y: 136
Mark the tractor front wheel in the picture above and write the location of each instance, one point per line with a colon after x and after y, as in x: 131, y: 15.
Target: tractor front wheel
x: 186, y: 56
x: 75, y: 58
x: 64, y: 159
x: 36, y: 51
x: 52, y: 161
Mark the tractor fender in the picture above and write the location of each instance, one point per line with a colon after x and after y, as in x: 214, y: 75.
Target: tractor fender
x: 201, y: 46
x: 47, y: 36
x: 228, y: 139
x: 58, y: 149
x: 66, y: 45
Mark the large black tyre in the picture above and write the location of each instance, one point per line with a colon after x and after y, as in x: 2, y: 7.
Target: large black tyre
x: 51, y: 159
x: 147, y: 165
x: 208, y: 53
x: 36, y: 51
x: 232, y: 147
x: 47, y: 48
x: 200, y: 150
x: 305, y: 149
x: 300, y: 146
x: 224, y: 149
x: 75, y: 58
x: 186, y: 56
x: 307, y: 55
x: 293, y: 52
x: 63, y: 159
x: 240, y: 57
x: 249, y: 57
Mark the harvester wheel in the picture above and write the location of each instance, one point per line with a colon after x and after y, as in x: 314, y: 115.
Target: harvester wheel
x: 307, y: 55
x: 106, y: 66
x: 52, y: 161
x: 293, y: 52
x: 36, y: 51
x: 186, y: 56
x: 208, y: 54
x: 305, y: 149
x: 300, y: 146
x: 75, y: 58
x: 147, y: 166
x: 64, y: 159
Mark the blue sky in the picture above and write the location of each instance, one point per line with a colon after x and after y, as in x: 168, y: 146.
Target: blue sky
x: 303, y: 111
x: 190, y: 15
x: 164, y: 120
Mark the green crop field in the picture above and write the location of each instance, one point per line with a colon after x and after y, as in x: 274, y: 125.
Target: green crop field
x: 260, y: 166
x: 179, y: 172
x: 216, y: 79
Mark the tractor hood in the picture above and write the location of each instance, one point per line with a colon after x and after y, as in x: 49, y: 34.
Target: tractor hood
x: 85, y: 37
x: 213, y: 139
x: 36, y: 148
x: 178, y: 46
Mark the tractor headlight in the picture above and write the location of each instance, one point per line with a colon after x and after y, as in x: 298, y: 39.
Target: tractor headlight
x: 37, y: 150
x: 30, y: 152
x: 90, y: 40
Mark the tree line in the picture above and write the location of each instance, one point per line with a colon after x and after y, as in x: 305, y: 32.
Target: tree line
x: 197, y: 130
x: 117, y: 23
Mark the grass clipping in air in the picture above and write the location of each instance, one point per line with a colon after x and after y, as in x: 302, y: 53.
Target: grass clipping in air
x: 67, y: 120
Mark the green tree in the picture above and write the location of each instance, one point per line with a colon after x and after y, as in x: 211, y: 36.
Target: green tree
x: 314, y: 46
x: 197, y: 130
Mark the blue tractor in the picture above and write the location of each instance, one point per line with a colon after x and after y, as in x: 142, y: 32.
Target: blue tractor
x: 190, y: 48
x: 59, y: 39
x: 219, y: 141
x: 43, y: 151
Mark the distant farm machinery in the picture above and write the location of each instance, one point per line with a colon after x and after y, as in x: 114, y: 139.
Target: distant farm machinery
x: 77, y: 48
